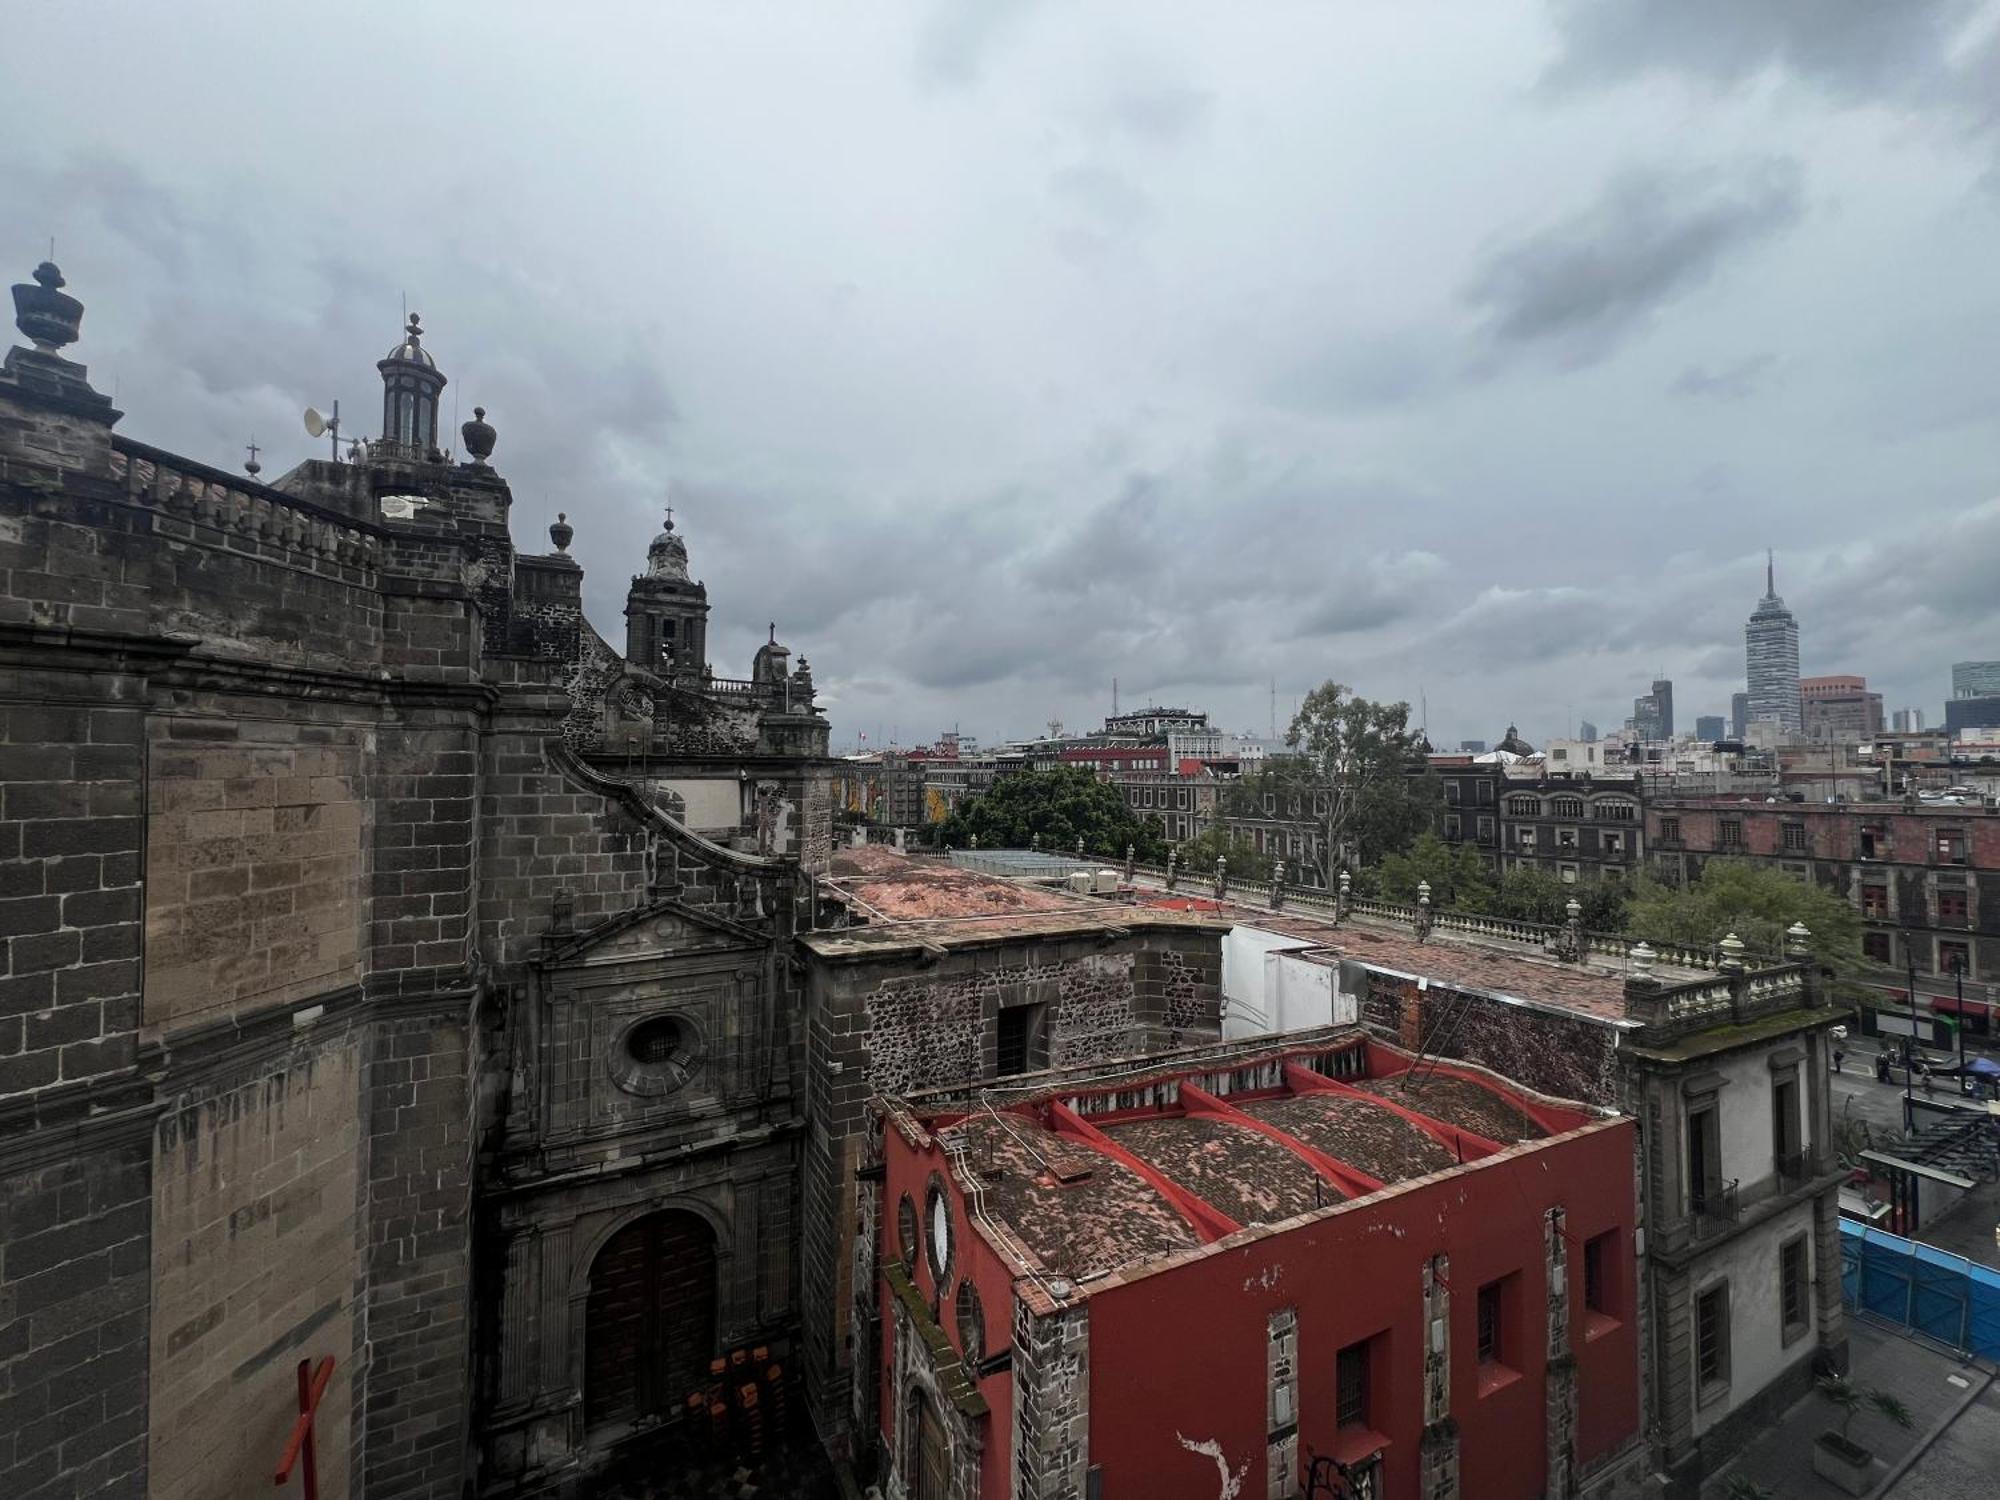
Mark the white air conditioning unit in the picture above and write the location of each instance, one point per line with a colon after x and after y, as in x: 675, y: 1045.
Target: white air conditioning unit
x: 1106, y: 883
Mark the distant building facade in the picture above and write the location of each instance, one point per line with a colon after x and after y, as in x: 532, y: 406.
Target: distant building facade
x: 1839, y: 708
x: 1710, y: 727
x: 1975, y: 679
x: 1908, y: 721
x: 1771, y: 657
x: 1739, y: 715
x: 1653, y: 713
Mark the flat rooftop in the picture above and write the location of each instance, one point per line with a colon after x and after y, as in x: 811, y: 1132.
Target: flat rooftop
x: 1090, y: 1177
x: 889, y: 886
x: 1594, y: 987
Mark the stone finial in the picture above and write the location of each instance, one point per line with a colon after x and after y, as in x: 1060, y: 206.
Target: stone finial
x: 1079, y: 846
x: 1423, y: 893
x: 1340, y: 898
x: 561, y: 532
x: 1173, y: 873
x: 1035, y: 842
x: 1732, y: 952
x: 1221, y: 877
x: 48, y: 315
x: 1641, y: 957
x: 1798, y: 941
x: 1277, y: 885
x: 479, y: 436
x: 1573, y: 908
x: 1131, y: 863
x: 1424, y: 919
x: 972, y: 841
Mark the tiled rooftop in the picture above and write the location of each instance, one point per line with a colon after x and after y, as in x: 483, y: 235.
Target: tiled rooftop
x: 1461, y: 1102
x: 1103, y: 1217
x: 1250, y: 1177
x: 1378, y: 1141
x: 893, y: 887
x: 1092, y: 1174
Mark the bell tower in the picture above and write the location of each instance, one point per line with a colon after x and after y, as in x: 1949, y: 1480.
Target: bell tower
x: 666, y: 613
x: 411, y: 383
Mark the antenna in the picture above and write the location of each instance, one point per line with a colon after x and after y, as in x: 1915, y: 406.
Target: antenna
x: 329, y: 427
x: 1114, y: 697
x: 1274, y: 708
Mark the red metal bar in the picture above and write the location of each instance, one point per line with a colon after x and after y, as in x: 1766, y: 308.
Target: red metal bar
x: 312, y: 1386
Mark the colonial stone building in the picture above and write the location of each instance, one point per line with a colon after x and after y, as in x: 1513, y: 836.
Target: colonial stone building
x: 400, y: 974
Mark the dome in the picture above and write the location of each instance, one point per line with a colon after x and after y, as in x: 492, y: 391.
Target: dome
x: 667, y: 556
x: 411, y: 350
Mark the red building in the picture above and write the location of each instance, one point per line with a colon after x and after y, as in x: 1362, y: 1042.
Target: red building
x: 1206, y: 1274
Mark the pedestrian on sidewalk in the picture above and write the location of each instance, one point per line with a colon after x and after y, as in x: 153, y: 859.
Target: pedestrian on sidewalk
x: 1839, y: 1056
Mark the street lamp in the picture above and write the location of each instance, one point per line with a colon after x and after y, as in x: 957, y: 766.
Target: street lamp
x: 1958, y: 979
x: 1910, y: 1042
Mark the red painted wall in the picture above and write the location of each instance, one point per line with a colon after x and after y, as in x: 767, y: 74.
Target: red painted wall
x: 1182, y: 1352
x: 908, y: 1169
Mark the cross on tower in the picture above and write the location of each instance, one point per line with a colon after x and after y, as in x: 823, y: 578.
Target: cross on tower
x: 312, y: 1386
x: 252, y: 467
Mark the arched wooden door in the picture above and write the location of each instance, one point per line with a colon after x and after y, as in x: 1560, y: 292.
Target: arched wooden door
x: 649, y: 1328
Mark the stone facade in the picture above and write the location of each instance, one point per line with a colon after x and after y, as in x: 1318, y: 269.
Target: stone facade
x: 360, y: 984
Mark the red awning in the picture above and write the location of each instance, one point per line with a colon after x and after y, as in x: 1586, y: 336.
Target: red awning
x: 1949, y: 1005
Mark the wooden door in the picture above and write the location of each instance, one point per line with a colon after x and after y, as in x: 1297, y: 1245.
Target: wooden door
x: 930, y: 1478
x: 649, y: 1329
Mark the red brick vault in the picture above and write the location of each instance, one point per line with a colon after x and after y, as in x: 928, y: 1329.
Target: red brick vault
x: 1202, y: 1275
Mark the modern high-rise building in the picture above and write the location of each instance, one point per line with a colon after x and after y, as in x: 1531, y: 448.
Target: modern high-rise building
x: 1909, y: 720
x: 1586, y: 731
x: 1975, y: 679
x: 1739, y: 715
x: 1708, y: 728
x: 1653, y: 713
x: 1771, y: 656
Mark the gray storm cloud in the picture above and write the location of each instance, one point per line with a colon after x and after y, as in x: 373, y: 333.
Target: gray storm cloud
x: 996, y: 350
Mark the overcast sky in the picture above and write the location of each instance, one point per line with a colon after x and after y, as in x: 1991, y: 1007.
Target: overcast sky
x: 997, y: 348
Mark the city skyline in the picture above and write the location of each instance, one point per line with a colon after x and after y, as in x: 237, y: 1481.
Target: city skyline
x: 1108, y: 402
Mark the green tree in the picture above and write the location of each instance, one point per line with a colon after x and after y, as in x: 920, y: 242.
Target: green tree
x: 1757, y: 903
x: 1053, y: 808
x: 1458, y: 877
x: 1355, y: 787
x: 1531, y: 895
x: 1198, y: 855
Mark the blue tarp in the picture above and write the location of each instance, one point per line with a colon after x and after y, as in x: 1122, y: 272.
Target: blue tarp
x: 1933, y: 1292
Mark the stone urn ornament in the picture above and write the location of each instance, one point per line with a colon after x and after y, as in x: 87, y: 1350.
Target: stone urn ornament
x: 49, y: 316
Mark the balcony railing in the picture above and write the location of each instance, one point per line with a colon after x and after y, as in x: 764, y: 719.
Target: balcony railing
x: 1715, y: 1209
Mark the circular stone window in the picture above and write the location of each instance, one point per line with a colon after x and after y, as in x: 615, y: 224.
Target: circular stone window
x: 656, y: 1055
x: 937, y: 1217
x: 971, y: 1323
x: 906, y: 1231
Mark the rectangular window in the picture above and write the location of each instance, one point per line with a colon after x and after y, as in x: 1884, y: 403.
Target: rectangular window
x: 1795, y: 836
x: 1565, y: 838
x: 1020, y: 1039
x: 1451, y: 830
x: 1451, y: 792
x: 1485, y: 830
x: 1953, y: 957
x: 1869, y: 842
x: 1711, y: 1339
x: 1613, y: 843
x: 1875, y: 901
x: 1569, y: 807
x: 1351, y: 1386
x: 1629, y: 812
x: 1951, y: 906
x: 1485, y: 791
x: 1670, y: 830
x: 1597, y: 1252
x: 1951, y: 846
x: 1704, y: 1157
x: 1491, y: 1345
x: 1792, y: 1287
x: 1875, y: 945
x: 1524, y: 837
x: 1731, y: 835
x: 1785, y: 1122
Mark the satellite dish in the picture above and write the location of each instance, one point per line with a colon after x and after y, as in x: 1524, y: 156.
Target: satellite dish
x: 315, y: 423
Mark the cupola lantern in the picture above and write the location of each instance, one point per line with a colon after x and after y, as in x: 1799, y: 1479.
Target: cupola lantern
x: 411, y: 383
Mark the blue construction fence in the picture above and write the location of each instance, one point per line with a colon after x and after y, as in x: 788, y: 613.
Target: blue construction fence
x: 1929, y: 1291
